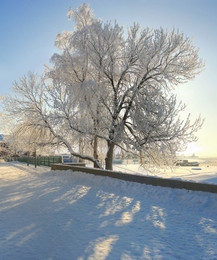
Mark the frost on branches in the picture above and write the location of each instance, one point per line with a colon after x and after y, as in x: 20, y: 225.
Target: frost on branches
x: 104, y: 87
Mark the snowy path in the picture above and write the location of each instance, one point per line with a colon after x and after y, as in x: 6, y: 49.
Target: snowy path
x: 64, y: 215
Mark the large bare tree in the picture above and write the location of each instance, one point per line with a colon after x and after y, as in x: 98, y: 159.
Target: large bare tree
x: 134, y: 76
x: 116, y: 86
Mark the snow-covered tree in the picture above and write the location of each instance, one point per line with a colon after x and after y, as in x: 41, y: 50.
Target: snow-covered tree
x: 45, y: 115
x: 115, y: 86
x: 134, y: 76
x: 72, y: 71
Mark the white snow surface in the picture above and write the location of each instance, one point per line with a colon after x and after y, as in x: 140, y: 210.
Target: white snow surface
x: 202, y: 174
x: 69, y: 215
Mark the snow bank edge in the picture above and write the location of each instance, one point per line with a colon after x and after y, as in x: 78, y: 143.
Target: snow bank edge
x: 154, y: 181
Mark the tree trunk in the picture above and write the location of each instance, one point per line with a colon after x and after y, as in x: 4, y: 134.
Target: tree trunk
x: 141, y: 157
x: 95, y: 151
x: 109, y: 156
x: 80, y: 160
x: 27, y: 158
x: 35, y: 159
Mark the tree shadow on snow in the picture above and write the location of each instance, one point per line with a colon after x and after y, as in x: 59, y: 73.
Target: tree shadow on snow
x: 84, y: 216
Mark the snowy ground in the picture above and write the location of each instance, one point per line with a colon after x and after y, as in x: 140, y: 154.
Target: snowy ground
x: 65, y: 215
x: 203, y: 173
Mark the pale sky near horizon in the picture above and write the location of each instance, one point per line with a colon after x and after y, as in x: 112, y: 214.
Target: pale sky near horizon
x: 28, y: 29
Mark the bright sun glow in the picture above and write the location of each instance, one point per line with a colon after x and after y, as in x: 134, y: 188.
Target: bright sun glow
x: 192, y: 149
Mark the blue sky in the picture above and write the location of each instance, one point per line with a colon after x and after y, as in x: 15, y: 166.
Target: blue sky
x: 28, y: 29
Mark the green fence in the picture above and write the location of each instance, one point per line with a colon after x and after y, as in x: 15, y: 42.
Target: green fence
x: 41, y: 160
